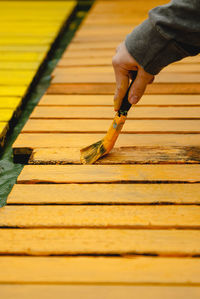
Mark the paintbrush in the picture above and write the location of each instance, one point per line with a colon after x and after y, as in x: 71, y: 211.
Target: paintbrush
x: 93, y: 152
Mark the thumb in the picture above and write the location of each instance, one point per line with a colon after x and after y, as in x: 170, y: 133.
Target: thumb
x: 139, y: 85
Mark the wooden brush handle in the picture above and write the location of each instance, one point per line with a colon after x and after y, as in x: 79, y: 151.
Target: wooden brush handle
x: 125, y: 105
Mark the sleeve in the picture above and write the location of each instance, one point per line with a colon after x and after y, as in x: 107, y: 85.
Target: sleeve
x: 171, y: 33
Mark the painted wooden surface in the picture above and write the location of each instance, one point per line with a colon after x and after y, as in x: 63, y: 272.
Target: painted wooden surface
x: 101, y: 126
x: 126, y: 155
x: 106, y: 209
x: 28, y: 141
x: 109, y: 88
x: 104, y: 193
x: 107, y: 100
x: 104, y: 216
x: 101, y: 270
x: 24, y: 43
x: 100, y: 291
x: 108, y: 173
x: 136, y: 112
x: 100, y: 241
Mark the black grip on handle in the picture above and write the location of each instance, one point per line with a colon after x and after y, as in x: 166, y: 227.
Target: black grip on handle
x: 125, y: 105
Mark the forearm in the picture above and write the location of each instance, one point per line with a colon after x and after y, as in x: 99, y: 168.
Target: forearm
x: 171, y: 33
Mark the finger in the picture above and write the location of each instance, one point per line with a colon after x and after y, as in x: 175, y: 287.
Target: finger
x: 139, y: 85
x: 122, y: 82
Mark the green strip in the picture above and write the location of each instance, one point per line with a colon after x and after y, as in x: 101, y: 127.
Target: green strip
x: 9, y: 171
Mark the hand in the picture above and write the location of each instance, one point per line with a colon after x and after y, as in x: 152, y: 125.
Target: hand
x: 123, y: 63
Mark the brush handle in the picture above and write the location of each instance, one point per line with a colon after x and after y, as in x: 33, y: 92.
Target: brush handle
x: 125, y: 105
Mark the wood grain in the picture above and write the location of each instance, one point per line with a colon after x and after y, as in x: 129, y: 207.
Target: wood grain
x: 46, y: 242
x: 136, y: 112
x: 108, y: 173
x: 101, y: 270
x: 99, y: 291
x: 104, y: 194
x: 101, y: 126
x: 27, y: 142
x: 107, y: 100
x: 126, y: 155
x: 104, y: 216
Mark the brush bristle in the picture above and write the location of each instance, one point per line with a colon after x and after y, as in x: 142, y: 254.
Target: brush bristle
x: 93, y: 152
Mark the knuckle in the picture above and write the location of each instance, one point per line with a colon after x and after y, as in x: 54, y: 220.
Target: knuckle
x: 115, y: 61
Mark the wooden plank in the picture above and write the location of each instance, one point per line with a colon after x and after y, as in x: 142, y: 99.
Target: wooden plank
x: 109, y: 88
x: 101, y: 126
x: 14, y: 90
x: 107, y: 100
x: 101, y: 270
x: 68, y: 54
x: 27, y: 142
x: 44, y: 242
x: 6, y: 114
x: 99, y: 291
x: 21, y: 56
x: 9, y: 41
x: 9, y: 102
x: 104, y: 193
x: 65, y: 62
x: 101, y: 53
x: 137, y: 112
x: 24, y: 48
x: 16, y: 65
x: 123, y: 155
x: 3, y: 130
x: 19, y: 77
x: 92, y: 46
x: 103, y: 216
x: 104, y: 74
x: 108, y: 173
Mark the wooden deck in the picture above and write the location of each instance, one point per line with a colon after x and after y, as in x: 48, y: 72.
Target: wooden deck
x: 129, y: 225
x: 24, y: 43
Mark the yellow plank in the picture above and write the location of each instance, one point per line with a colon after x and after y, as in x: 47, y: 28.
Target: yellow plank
x: 27, y: 142
x: 9, y: 102
x: 101, y: 126
x: 125, y: 155
x: 136, y: 112
x: 107, y: 100
x: 24, y: 48
x: 13, y: 65
x: 103, y: 216
x: 99, y: 241
x: 104, y: 270
x: 16, y: 77
x: 20, y: 56
x: 13, y: 90
x: 109, y: 173
x: 102, y: 291
x: 6, y: 114
x: 104, y: 193
x: 25, y: 40
x: 3, y: 130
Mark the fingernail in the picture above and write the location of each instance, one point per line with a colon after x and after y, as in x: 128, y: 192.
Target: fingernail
x: 133, y: 99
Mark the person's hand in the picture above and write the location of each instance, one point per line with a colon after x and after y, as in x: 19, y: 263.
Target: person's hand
x: 123, y: 63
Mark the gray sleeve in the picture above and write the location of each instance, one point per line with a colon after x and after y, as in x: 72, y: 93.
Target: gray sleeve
x: 171, y: 33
